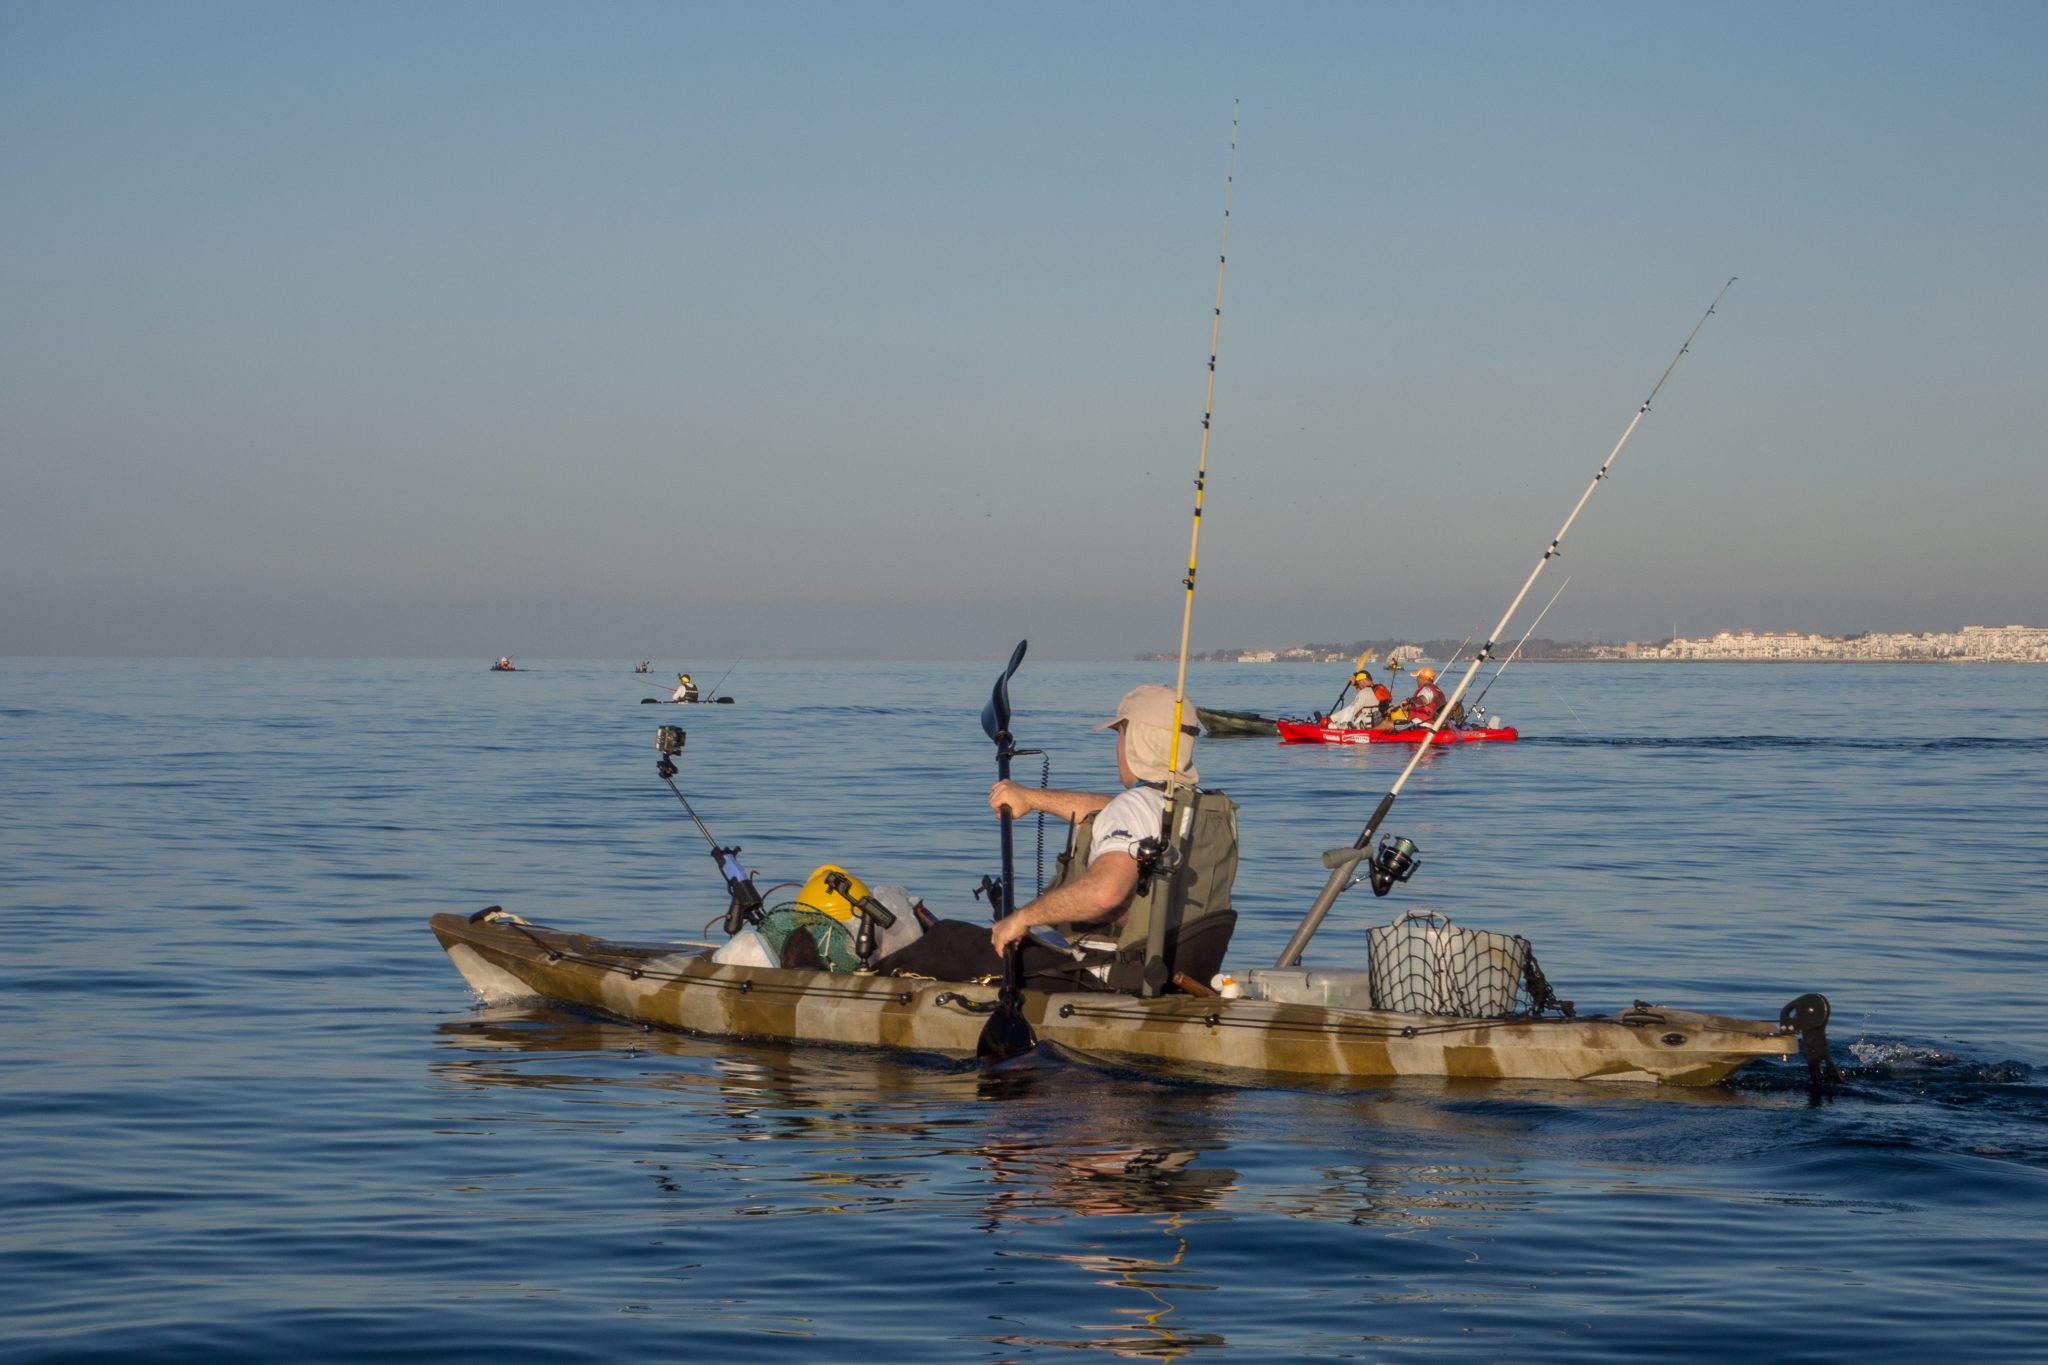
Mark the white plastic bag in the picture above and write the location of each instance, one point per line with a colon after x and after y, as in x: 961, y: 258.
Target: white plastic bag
x: 746, y: 949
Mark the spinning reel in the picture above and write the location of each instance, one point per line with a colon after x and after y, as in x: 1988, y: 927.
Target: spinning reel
x: 1395, y: 862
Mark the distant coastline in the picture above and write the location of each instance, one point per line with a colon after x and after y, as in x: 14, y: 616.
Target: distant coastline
x: 1970, y: 645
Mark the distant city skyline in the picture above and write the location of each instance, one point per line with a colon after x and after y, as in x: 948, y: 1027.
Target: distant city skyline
x: 2007, y: 644
x: 882, y: 332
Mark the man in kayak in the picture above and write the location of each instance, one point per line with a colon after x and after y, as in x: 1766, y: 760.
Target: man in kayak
x: 1097, y: 898
x: 1102, y: 894
x: 1428, y: 698
x: 1367, y: 709
x: 685, y: 689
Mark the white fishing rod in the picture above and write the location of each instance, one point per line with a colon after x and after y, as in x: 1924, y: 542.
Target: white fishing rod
x: 1396, y: 859
x: 1515, y: 653
x: 1155, y: 944
x: 1459, y: 653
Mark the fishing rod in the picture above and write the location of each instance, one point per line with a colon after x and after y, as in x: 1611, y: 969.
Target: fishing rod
x: 722, y: 677
x: 1515, y: 653
x: 1168, y: 855
x: 1396, y: 859
x: 1459, y: 652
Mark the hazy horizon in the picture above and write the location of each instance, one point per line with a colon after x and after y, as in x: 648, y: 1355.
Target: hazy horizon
x: 793, y: 331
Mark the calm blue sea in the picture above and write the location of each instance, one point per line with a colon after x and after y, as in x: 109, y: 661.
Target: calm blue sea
x: 251, y: 1113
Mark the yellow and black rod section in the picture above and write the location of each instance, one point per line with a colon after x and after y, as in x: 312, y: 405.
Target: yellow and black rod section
x: 1342, y: 862
x: 1167, y: 906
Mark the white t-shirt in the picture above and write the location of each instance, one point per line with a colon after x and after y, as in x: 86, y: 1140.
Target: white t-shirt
x: 1355, y: 714
x: 1131, y: 815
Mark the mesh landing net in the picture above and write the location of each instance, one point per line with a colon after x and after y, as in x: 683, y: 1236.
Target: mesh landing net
x: 1424, y: 964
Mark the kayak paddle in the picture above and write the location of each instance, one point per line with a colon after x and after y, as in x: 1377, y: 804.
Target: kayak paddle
x: 1007, y: 1033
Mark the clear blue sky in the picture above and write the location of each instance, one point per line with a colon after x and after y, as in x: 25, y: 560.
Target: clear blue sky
x: 686, y: 331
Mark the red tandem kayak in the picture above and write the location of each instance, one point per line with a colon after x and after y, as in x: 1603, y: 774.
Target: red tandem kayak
x: 1308, y: 732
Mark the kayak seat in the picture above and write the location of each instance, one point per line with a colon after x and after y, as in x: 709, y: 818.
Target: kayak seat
x: 1195, y: 949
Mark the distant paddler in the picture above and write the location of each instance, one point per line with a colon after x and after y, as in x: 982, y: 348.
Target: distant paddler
x: 685, y: 689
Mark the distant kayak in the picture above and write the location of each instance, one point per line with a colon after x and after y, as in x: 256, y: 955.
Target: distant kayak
x: 671, y: 701
x: 503, y: 668
x: 1308, y: 732
x: 1231, y: 723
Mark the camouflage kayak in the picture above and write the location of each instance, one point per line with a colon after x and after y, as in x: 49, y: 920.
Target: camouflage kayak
x: 1290, y: 1022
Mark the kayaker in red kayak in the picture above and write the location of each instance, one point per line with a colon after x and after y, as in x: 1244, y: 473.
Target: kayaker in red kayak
x: 1428, y: 698
x: 1367, y: 709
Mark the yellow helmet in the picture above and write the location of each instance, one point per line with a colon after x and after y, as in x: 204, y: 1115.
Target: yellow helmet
x: 1361, y: 676
x: 1425, y: 675
x: 823, y: 899
x: 682, y: 677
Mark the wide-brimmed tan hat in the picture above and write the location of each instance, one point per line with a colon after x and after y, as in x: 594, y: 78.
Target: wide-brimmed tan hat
x: 1146, y: 715
x: 1151, y: 704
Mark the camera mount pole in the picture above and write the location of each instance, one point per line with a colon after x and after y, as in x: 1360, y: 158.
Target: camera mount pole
x: 745, y: 907
x: 1343, y: 861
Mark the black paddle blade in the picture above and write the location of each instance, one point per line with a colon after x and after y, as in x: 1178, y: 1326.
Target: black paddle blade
x: 995, y: 717
x: 1005, y: 1035
x: 1008, y: 1033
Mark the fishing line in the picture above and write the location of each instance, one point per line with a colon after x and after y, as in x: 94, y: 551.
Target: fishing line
x: 1576, y: 719
x: 1342, y: 861
x: 1516, y: 651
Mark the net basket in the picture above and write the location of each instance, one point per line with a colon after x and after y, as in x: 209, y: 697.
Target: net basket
x: 834, y: 939
x: 1424, y: 964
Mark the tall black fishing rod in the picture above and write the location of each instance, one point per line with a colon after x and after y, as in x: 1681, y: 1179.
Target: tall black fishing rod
x: 745, y: 907
x: 1169, y: 852
x: 1396, y: 859
x: 722, y: 677
x: 1515, y: 653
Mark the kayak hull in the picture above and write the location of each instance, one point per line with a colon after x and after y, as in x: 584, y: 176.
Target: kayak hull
x: 1308, y: 732
x: 680, y: 987
x: 1227, y: 724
